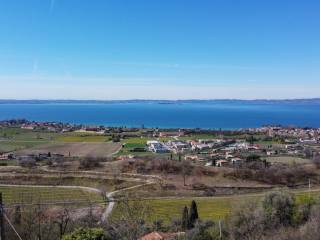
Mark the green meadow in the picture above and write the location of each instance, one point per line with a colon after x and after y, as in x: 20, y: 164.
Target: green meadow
x: 209, y: 208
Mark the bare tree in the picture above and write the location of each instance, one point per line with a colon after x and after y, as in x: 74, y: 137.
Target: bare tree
x: 316, y: 160
x: 62, y: 220
x: 186, y: 169
x: 130, y: 222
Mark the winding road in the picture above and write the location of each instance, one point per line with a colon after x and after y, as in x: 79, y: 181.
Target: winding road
x: 111, y: 199
x: 109, y: 195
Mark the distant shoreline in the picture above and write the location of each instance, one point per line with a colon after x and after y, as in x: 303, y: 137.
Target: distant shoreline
x: 205, y: 114
x: 208, y: 101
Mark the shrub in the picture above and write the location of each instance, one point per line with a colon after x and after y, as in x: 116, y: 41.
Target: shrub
x: 276, y: 174
x: 90, y: 162
x: 316, y: 161
x: 247, y: 222
x: 86, y: 234
x: 279, y: 208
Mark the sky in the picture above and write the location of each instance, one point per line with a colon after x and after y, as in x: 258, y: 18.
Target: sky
x: 151, y: 49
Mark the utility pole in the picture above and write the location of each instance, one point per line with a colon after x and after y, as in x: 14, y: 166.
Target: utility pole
x: 2, y: 234
x: 220, y: 230
x: 309, y: 188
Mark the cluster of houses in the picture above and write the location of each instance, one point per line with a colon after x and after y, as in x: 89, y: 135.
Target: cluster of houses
x: 179, y: 146
x: 49, y: 126
x: 157, y: 147
x: 224, y: 152
x: 204, y: 150
x: 305, y: 135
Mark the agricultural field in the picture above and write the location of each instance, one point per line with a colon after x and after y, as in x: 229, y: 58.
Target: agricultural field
x: 82, y: 138
x: 198, y: 136
x: 78, y: 149
x: 19, y: 134
x: 11, y: 145
x: 15, y: 139
x: 131, y: 143
x: 46, y: 195
x: 209, y: 208
x: 287, y: 159
x: 136, y: 140
x: 92, y: 181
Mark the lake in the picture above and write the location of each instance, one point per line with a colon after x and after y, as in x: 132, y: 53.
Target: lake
x: 214, y: 115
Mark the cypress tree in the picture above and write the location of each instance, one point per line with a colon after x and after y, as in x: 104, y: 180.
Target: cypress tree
x: 193, y: 214
x: 185, y: 218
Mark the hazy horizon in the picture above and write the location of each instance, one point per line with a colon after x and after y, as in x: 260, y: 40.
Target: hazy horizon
x: 145, y: 99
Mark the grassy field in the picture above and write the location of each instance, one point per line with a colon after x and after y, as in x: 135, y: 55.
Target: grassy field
x: 26, y: 134
x: 287, y: 159
x: 213, y: 208
x: 13, y: 139
x: 14, y: 145
x: 83, y: 138
x: 79, y: 149
x: 198, y: 136
x: 136, y: 140
x: 26, y: 195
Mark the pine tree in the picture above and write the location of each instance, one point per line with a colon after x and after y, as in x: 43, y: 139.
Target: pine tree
x: 193, y: 214
x: 185, y: 219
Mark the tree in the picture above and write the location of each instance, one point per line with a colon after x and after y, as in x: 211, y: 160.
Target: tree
x: 246, y: 222
x: 17, y: 215
x: 316, y: 161
x: 185, y: 218
x: 193, y: 217
x: 251, y: 139
x: 204, y: 231
x: 86, y: 234
x: 130, y: 224
x: 253, y: 158
x: 186, y: 170
x: 62, y: 220
x: 279, y: 208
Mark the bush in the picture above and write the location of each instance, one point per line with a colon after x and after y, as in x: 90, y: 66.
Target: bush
x: 27, y: 163
x: 276, y: 174
x: 311, y: 230
x: 86, y: 234
x: 90, y: 162
x: 316, y: 161
x: 247, y: 222
x: 279, y: 208
x: 274, y: 219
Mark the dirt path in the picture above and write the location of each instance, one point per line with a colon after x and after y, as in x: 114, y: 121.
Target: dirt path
x: 88, y: 189
x: 109, y: 196
x: 111, y: 199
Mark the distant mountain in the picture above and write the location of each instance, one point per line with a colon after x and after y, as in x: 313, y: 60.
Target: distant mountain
x: 213, y: 101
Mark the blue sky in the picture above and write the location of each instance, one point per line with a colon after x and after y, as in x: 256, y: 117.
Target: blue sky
x: 168, y: 49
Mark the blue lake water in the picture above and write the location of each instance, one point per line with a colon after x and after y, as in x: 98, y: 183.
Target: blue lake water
x: 228, y: 115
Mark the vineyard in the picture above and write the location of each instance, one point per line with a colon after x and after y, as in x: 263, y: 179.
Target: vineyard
x: 49, y: 195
